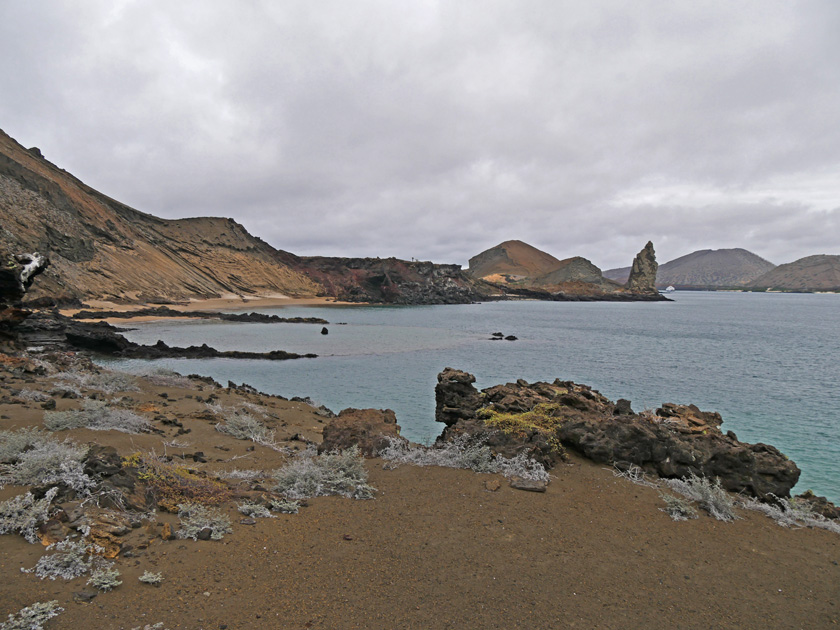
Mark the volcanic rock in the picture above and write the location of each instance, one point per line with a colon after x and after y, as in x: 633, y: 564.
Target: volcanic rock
x: 674, y: 442
x: 370, y: 429
x: 643, y: 271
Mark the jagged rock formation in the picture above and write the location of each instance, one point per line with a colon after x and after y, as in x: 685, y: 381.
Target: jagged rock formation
x: 675, y: 441
x: 705, y: 269
x: 518, y: 269
x: 643, y: 271
x: 812, y: 273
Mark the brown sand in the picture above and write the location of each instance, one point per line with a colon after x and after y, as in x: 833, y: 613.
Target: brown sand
x: 434, y: 549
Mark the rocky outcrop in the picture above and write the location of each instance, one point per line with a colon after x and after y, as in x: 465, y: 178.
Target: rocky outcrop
x: 389, y: 280
x: 643, y: 271
x: 674, y: 441
x: 17, y: 272
x: 50, y: 329
x: 165, y: 311
x: 370, y: 429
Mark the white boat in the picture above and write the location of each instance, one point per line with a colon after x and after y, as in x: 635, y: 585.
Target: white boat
x: 670, y: 289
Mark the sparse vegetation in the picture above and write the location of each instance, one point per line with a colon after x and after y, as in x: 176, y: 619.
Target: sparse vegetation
x: 462, y: 453
x: 32, y: 617
x: 708, y: 494
x: 338, y: 473
x: 24, y: 513
x: 166, y: 378
x: 149, y: 577
x: 634, y: 474
x: 107, y: 382
x: 29, y: 457
x: 99, y: 416
x: 32, y: 395
x: 285, y: 506
x: 255, y: 510
x: 678, y: 508
x: 173, y: 485
x: 70, y: 560
x: 792, y: 513
x: 196, y: 519
x: 105, y: 579
x: 543, y: 418
x: 243, y: 426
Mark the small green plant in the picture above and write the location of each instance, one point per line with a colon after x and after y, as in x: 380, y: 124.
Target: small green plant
x: 338, y: 473
x: 154, y: 579
x: 24, y: 513
x: 544, y: 419
x: 32, y: 617
x: 678, y: 508
x: 196, y: 519
x: 105, y: 579
x: 99, y: 416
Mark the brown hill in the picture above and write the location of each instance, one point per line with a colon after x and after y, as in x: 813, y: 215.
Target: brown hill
x: 512, y: 258
x: 707, y: 268
x: 812, y: 273
x: 100, y: 248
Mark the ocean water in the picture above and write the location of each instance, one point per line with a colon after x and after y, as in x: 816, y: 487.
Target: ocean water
x: 768, y: 363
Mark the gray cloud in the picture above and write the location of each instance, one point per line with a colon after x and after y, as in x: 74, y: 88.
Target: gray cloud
x: 434, y: 130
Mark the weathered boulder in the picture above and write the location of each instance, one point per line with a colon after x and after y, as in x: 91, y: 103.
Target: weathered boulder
x: 455, y: 396
x: 643, y: 272
x: 369, y: 429
x: 673, y: 441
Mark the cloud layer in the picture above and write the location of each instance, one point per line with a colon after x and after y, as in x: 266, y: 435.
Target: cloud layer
x: 434, y: 130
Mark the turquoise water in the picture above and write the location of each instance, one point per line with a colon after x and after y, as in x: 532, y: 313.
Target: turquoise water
x: 769, y: 363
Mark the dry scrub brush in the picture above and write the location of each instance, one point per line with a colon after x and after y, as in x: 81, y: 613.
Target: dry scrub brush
x: 29, y: 457
x: 792, y: 513
x: 172, y: 485
x: 32, y: 617
x: 99, y: 416
x: 337, y: 473
x: 462, y: 453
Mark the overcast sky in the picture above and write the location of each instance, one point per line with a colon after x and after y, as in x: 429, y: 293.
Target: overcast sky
x: 435, y: 130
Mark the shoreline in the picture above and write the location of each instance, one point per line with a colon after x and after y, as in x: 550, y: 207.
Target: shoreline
x: 593, y: 550
x: 221, y: 304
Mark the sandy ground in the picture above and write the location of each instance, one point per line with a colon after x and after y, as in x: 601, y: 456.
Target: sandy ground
x: 434, y: 549
x: 228, y: 303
